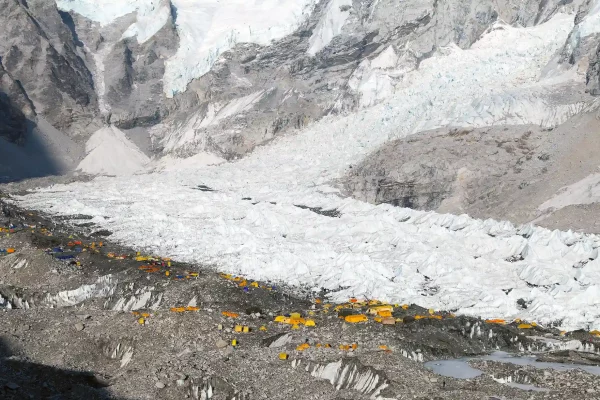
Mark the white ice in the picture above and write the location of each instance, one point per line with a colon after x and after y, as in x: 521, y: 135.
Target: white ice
x: 103, y: 11
x: 206, y: 28
x: 590, y: 24
x: 330, y: 26
x: 171, y: 163
x: 151, y: 15
x: 439, y: 261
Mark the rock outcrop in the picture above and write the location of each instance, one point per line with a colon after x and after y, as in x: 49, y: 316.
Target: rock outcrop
x: 15, y: 107
x: 506, y: 172
x: 39, y: 52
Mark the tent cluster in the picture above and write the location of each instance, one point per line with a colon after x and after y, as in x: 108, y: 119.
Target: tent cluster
x: 246, y: 284
x: 295, y: 319
x: 355, y: 311
x: 12, y: 228
x: 141, y: 317
x: 156, y: 264
x: 185, y: 309
x: 69, y: 252
x: 343, y: 347
x: 518, y: 323
x: 4, y: 252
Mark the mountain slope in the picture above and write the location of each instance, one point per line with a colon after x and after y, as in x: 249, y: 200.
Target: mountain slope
x: 38, y: 50
x: 311, y: 58
x: 167, y: 65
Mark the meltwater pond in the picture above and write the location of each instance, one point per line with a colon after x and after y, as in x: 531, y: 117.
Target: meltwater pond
x: 460, y: 368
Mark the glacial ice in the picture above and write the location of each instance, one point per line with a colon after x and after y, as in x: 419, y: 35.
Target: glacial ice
x: 450, y: 262
x: 330, y: 26
x: 206, y: 28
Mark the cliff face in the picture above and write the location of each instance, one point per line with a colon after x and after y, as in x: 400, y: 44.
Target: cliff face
x: 39, y: 51
x: 15, y: 108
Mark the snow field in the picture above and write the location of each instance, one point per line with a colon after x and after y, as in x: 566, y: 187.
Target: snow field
x: 439, y: 261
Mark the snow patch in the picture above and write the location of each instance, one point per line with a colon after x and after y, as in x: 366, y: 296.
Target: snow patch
x: 234, y: 107
x: 387, y: 59
x: 330, y: 25
x: 585, y: 191
x: 21, y: 264
x: 103, y: 287
x: 98, y: 74
x: 150, y: 20
x: 202, y: 159
x: 109, y: 152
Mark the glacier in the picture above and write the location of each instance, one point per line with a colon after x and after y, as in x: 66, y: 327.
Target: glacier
x: 206, y: 28
x: 472, y: 267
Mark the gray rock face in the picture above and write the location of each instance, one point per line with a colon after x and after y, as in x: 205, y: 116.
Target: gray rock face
x: 424, y: 171
x: 582, y: 48
x: 13, y: 124
x: 133, y: 79
x: 498, y: 172
x: 13, y: 109
x: 592, y: 77
x: 38, y: 50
